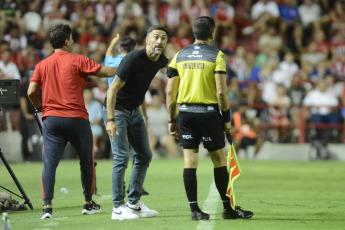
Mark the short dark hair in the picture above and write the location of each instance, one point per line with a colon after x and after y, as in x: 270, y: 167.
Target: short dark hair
x: 203, y: 27
x: 127, y: 44
x: 156, y: 27
x: 59, y: 34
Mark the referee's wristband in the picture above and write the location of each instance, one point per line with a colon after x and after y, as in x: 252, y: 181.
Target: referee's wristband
x: 110, y: 119
x: 172, y: 121
x: 226, y: 116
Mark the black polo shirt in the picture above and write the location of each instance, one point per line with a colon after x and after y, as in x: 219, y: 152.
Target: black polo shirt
x: 137, y: 70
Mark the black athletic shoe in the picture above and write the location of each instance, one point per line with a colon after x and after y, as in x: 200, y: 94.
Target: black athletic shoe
x: 200, y: 215
x: 91, y: 208
x: 238, y: 213
x: 47, y: 213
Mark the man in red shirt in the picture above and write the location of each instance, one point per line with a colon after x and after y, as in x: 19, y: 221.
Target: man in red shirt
x: 62, y: 77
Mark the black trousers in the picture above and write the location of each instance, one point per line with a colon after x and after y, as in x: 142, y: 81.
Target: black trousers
x: 57, y: 131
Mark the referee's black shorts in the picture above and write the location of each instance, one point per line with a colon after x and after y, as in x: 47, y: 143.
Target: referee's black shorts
x: 201, y: 123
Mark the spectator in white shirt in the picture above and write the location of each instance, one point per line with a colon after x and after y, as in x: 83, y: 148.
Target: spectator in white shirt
x: 267, y: 75
x: 311, y: 17
x: 270, y: 37
x: 265, y: 7
x: 289, y: 67
x: 8, y: 68
x: 311, y: 58
x: 323, y: 109
x: 309, y: 12
x: 272, y: 75
x: 262, y: 12
x: 279, y: 110
x: 320, y: 100
x: 15, y: 39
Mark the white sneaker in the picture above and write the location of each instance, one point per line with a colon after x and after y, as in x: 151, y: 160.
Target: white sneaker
x: 122, y: 213
x: 141, y: 209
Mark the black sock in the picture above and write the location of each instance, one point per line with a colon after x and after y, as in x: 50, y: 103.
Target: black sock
x: 190, y: 185
x: 221, y: 179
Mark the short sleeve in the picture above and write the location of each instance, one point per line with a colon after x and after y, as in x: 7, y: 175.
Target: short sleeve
x: 220, y: 63
x: 36, y: 77
x: 126, y: 67
x: 87, y: 66
x: 109, y: 61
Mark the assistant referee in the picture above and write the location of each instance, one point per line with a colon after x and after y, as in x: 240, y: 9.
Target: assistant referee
x: 198, y: 73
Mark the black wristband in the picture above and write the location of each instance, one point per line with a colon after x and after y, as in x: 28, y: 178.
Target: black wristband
x: 110, y: 119
x: 39, y: 109
x: 172, y: 121
x: 226, y: 116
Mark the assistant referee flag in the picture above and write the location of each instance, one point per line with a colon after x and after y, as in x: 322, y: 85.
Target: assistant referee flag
x: 233, y: 170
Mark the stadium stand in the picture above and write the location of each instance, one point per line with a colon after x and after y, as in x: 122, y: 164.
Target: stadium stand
x: 277, y: 53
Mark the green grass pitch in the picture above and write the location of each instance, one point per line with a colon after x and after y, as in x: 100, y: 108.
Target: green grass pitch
x: 282, y: 195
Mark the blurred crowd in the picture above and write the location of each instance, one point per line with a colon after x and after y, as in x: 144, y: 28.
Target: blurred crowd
x: 285, y: 59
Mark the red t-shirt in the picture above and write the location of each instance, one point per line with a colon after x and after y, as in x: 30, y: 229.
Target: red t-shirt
x: 62, y: 77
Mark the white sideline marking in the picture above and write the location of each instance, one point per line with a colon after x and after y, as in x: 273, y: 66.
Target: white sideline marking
x: 210, y: 207
x: 100, y: 199
x: 51, y: 224
x: 54, y: 222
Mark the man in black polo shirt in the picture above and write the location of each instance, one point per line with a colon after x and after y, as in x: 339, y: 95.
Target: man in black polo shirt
x: 197, y: 72
x: 127, y: 123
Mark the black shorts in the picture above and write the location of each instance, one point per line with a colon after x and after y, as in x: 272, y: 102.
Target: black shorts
x: 201, y: 123
x: 245, y: 142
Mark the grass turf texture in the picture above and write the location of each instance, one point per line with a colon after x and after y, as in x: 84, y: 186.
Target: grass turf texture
x: 282, y: 195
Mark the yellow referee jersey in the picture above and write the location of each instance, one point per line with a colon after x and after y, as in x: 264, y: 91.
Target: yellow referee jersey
x: 196, y: 65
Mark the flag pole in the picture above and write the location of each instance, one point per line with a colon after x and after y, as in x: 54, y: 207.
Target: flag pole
x: 233, y: 171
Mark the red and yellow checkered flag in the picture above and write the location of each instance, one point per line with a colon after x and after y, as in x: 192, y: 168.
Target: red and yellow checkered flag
x: 233, y: 171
